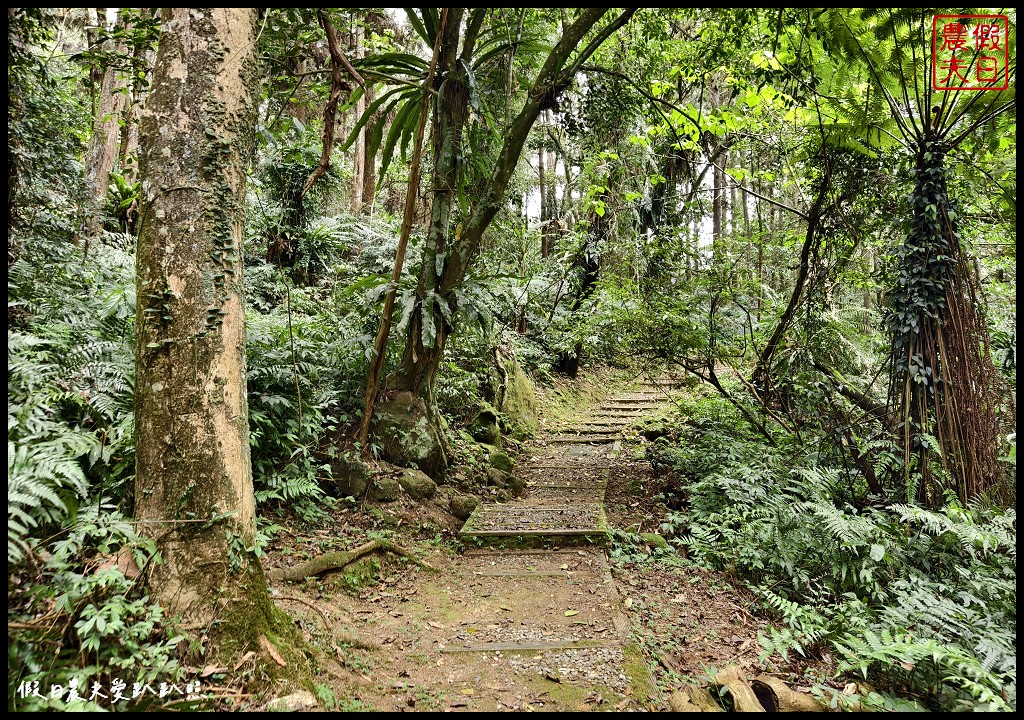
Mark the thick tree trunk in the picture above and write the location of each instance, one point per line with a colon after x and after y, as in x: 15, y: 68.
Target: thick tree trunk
x: 193, y: 488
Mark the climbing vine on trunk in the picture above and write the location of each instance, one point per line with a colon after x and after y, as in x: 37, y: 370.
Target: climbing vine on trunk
x: 943, y: 378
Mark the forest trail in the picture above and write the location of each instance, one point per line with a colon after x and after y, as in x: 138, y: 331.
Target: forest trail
x: 529, y: 617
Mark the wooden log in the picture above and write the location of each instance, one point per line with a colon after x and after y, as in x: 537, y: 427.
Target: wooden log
x: 777, y: 696
x: 693, y: 699
x: 680, y: 702
x: 743, y: 697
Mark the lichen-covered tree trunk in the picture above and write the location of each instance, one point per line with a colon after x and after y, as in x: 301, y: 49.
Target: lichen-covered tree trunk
x: 193, y: 488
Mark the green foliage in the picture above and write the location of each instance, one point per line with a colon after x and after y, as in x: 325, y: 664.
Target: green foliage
x: 47, y: 123
x: 70, y: 386
x: 122, y: 204
x: 920, y: 601
x: 79, y: 620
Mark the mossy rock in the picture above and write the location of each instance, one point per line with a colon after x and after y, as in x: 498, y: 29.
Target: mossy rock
x: 516, y: 485
x: 496, y: 478
x: 384, y: 489
x: 403, y: 428
x: 518, y: 403
x: 654, y: 540
x: 463, y: 505
x: 350, y: 476
x: 417, y: 484
x: 484, y: 427
x: 501, y: 461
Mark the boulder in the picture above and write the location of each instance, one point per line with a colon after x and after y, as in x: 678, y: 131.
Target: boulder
x: 501, y: 461
x: 463, y: 505
x: 518, y: 403
x: 484, y: 427
x: 417, y: 484
x: 516, y: 485
x: 496, y: 477
x: 350, y: 476
x: 384, y: 489
x: 403, y: 428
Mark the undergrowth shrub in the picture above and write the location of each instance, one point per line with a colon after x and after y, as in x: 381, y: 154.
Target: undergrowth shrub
x: 304, y: 380
x: 77, y: 622
x: 920, y: 602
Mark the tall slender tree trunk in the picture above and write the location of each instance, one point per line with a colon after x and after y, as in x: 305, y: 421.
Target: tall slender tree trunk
x: 193, y: 487
x: 544, y: 211
x: 102, y: 153
x: 369, y: 166
x: 359, y: 152
x: 717, y: 208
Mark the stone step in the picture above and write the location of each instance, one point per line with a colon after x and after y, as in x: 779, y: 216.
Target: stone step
x: 578, y: 523
x: 533, y: 646
x: 609, y: 421
x: 583, y: 439
x: 634, y: 408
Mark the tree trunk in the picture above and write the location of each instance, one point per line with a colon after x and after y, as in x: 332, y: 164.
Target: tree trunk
x: 102, y: 153
x: 448, y: 250
x: 717, y: 207
x: 359, y: 152
x: 544, y: 212
x: 369, y: 168
x: 193, y: 487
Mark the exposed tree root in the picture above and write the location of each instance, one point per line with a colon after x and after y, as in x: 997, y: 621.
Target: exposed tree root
x: 337, y: 560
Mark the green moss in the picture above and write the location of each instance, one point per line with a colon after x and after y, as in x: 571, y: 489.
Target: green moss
x: 519, y: 404
x: 654, y: 540
x: 357, y: 575
x: 501, y: 461
x: 252, y: 616
x: 639, y: 674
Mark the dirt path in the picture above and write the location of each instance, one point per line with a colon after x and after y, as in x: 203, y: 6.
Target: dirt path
x: 533, y: 616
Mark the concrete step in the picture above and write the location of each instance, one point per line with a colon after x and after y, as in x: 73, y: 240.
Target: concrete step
x: 537, y: 525
x: 601, y: 438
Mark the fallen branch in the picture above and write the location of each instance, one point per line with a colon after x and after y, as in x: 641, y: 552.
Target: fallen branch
x: 337, y: 560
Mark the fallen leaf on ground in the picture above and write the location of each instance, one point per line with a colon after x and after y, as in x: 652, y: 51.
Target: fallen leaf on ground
x: 570, y: 613
x: 245, y: 658
x: 269, y: 647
